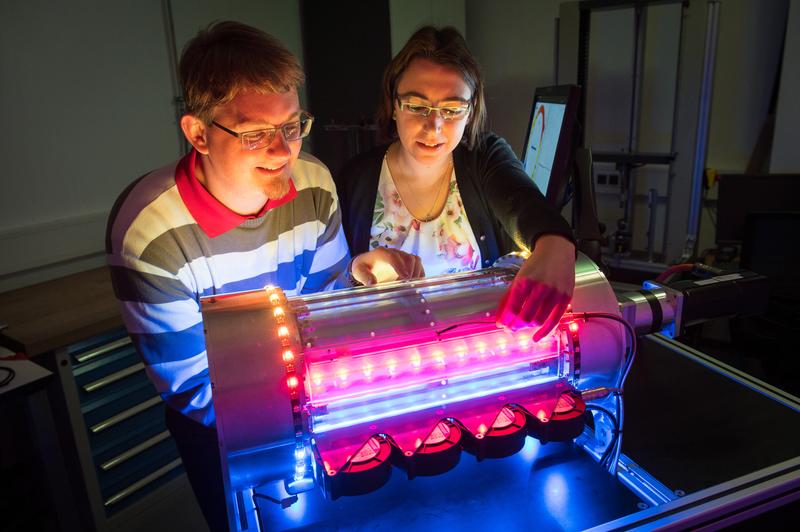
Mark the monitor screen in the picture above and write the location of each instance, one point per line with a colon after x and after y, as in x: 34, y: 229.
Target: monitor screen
x: 549, y: 143
x: 542, y: 142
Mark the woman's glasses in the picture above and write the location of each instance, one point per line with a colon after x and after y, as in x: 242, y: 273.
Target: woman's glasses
x: 447, y: 112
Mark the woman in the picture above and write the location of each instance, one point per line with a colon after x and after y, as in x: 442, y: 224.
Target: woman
x: 449, y: 192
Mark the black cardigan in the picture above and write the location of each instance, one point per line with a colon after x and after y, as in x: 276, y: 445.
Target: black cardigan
x: 504, y: 207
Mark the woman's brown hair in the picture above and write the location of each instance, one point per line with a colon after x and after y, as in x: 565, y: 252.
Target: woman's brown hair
x: 446, y: 47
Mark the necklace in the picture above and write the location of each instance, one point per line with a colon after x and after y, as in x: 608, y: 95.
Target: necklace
x: 444, y: 179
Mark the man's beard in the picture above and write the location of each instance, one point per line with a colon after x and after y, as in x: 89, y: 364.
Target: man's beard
x: 277, y: 188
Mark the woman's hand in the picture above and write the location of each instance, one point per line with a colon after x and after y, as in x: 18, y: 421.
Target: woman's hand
x: 542, y: 289
x: 382, y: 265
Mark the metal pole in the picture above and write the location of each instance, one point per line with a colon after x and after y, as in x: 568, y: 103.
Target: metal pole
x: 703, y: 119
x: 673, y: 139
x: 640, y: 30
x: 652, y: 199
x: 636, y: 101
x: 172, y: 57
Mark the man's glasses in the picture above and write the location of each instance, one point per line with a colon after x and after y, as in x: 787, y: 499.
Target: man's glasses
x: 256, y: 140
x: 447, y: 112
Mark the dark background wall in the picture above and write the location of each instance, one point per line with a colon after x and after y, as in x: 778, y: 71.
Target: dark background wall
x: 346, y: 45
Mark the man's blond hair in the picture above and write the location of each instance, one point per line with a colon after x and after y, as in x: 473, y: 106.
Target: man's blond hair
x: 229, y: 57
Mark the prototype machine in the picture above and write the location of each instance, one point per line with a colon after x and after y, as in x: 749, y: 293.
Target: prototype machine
x: 333, y: 390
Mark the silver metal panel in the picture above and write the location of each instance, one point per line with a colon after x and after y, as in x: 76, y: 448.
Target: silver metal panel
x: 643, y: 483
x: 725, y: 501
x: 603, y: 342
x: 248, y: 378
x: 637, y: 312
x: 384, y: 312
x: 247, y: 372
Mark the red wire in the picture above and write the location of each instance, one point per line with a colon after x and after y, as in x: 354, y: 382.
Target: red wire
x: 672, y: 270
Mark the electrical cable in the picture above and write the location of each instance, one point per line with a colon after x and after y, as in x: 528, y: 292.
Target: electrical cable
x: 283, y: 503
x: 611, y: 445
x: 10, y: 374
x: 667, y: 274
x: 611, y: 465
x: 611, y: 455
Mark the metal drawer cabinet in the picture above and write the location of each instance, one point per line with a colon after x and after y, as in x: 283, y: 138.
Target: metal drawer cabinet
x: 127, y: 459
x: 130, y: 446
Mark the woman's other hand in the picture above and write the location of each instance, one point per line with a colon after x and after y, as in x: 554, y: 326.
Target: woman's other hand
x: 382, y: 265
x: 542, y: 289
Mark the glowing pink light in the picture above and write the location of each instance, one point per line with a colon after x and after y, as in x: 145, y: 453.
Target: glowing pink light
x: 481, y: 349
x: 523, y: 340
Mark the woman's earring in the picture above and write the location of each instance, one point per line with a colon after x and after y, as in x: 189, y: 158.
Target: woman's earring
x: 394, y: 115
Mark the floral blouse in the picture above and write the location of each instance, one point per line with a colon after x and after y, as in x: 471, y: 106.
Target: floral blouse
x: 445, y: 244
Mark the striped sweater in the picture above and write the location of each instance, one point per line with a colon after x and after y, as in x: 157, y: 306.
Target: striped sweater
x: 169, y: 243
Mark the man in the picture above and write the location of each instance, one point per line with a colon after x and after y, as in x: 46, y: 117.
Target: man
x: 244, y: 209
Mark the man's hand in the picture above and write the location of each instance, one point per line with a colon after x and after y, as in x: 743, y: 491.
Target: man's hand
x: 542, y: 289
x: 385, y: 264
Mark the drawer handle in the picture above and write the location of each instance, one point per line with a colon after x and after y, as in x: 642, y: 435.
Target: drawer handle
x: 133, y: 451
x: 139, y: 484
x: 113, y: 377
x: 125, y: 414
x: 103, y: 349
